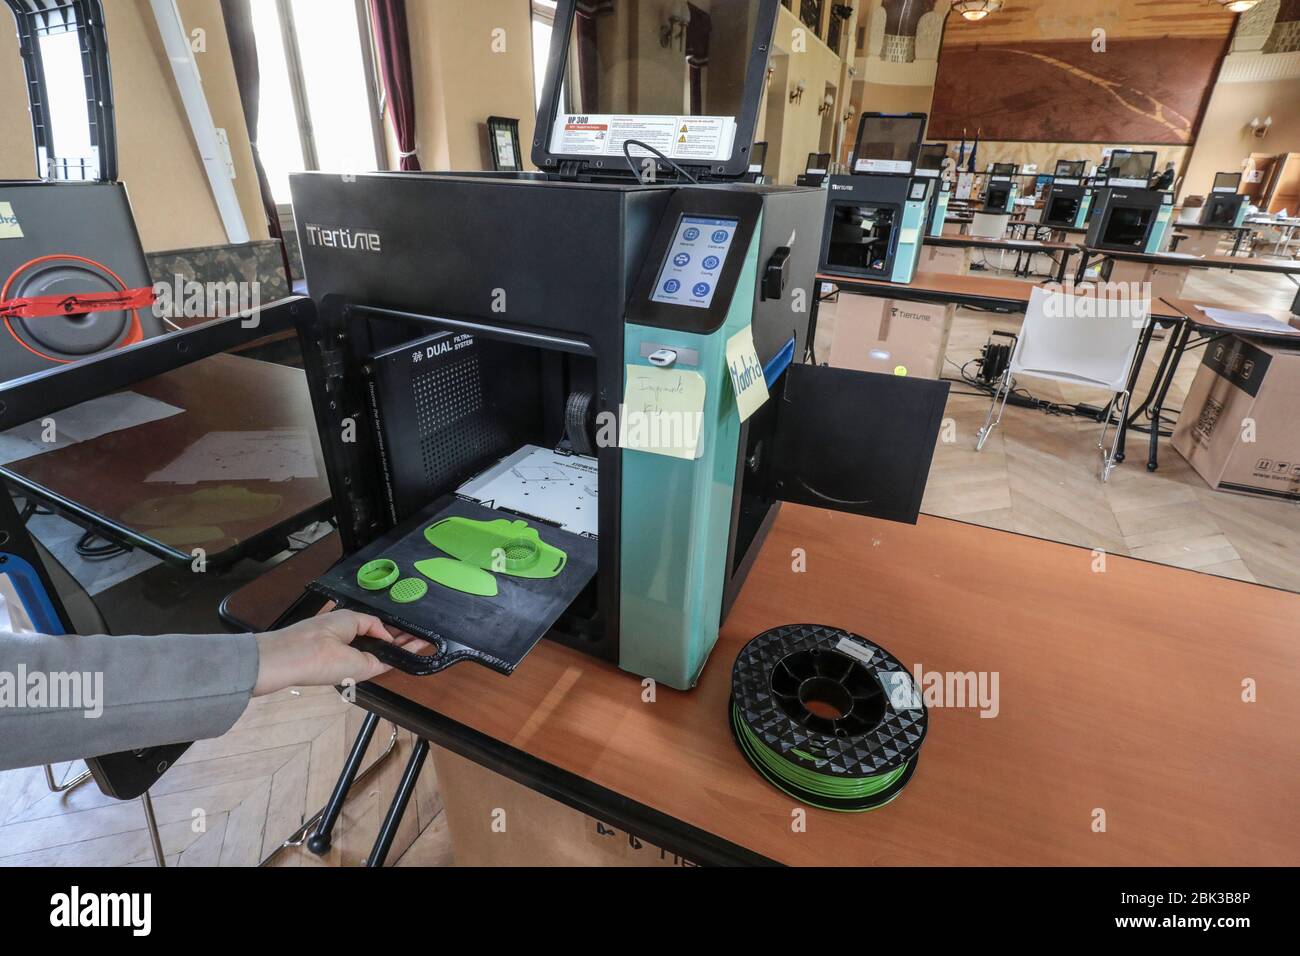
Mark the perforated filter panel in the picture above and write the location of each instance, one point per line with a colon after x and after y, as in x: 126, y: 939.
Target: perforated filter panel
x: 446, y: 406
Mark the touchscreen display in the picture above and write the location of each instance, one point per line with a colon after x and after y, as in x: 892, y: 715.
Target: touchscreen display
x: 693, y: 266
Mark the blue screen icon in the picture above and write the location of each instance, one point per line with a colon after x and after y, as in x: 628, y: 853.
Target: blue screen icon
x: 691, y: 234
x: 671, y: 286
x: 721, y: 236
x: 681, y: 260
x: 711, y: 262
x: 701, y: 290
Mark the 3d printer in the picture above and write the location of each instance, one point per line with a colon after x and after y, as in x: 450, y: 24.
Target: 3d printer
x: 1002, y: 190
x: 876, y: 216
x: 930, y: 164
x: 1225, y: 207
x: 1068, y: 200
x: 1127, y: 216
x: 476, y: 330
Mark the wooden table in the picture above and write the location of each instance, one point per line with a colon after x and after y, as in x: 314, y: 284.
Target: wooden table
x: 1018, y: 246
x: 1242, y: 263
x: 984, y: 292
x: 1119, y: 691
x: 103, y: 483
x: 1191, y: 320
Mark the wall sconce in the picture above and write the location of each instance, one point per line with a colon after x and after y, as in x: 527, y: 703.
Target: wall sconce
x: 796, y: 91
x: 828, y: 104
x: 1260, y: 129
x: 679, y: 18
x: 976, y: 9
x: 849, y: 113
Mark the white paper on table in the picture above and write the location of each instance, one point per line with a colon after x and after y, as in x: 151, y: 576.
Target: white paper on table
x: 1248, y: 321
x: 92, y: 419
x: 243, y: 456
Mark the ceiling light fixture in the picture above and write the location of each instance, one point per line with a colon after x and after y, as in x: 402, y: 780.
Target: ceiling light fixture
x: 976, y: 9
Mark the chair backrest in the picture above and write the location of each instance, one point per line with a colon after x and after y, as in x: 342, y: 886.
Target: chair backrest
x: 989, y: 225
x: 1079, y: 337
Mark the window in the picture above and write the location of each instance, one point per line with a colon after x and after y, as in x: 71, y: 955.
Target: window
x: 70, y: 155
x: 318, y: 105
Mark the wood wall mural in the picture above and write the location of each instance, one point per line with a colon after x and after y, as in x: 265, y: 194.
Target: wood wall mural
x: 1031, y: 73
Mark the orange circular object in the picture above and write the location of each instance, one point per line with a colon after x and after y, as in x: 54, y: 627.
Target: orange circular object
x: 137, y: 329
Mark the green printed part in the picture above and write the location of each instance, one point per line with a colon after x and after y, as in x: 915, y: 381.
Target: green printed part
x: 408, y: 590
x: 504, y: 546
x: 458, y: 576
x: 377, y: 575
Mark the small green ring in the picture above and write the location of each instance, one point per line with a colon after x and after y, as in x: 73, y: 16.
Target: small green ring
x: 378, y: 574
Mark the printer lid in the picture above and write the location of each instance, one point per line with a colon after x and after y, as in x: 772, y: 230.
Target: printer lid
x: 687, y: 79
x: 888, y: 143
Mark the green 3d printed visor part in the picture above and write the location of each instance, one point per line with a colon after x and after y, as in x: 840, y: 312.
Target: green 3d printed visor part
x: 377, y: 575
x: 408, y: 590
x: 458, y: 576
x: 827, y: 717
x: 504, y: 546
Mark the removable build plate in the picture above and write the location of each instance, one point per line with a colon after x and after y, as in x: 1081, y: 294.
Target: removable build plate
x: 497, y: 632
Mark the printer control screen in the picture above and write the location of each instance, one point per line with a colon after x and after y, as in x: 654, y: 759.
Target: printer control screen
x: 693, y: 267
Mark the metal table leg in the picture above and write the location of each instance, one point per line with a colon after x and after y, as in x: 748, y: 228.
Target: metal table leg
x: 388, y: 829
x: 1143, y: 344
x: 1178, y: 343
x: 319, y: 843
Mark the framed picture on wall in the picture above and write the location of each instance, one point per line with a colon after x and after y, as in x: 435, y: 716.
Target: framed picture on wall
x: 503, y: 144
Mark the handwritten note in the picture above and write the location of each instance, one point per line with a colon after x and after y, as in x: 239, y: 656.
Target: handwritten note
x: 746, y: 373
x: 663, y: 411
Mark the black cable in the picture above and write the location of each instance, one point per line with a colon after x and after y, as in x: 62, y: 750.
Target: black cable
x: 89, y: 551
x: 636, y: 142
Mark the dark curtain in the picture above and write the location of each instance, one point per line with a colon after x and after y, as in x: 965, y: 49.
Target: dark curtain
x: 697, y: 54
x: 393, y: 42
x: 248, y: 75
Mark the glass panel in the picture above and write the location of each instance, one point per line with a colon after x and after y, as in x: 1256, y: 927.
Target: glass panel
x: 334, y: 76
x: 642, y: 71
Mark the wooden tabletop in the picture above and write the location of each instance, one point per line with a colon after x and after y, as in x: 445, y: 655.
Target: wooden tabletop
x: 1011, y: 245
x: 963, y: 288
x: 1119, y: 691
x: 1191, y: 309
x: 106, y: 480
x: 1244, y: 263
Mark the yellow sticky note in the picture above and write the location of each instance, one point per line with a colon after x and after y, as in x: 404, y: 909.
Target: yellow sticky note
x: 663, y: 411
x: 10, y: 228
x: 746, y: 373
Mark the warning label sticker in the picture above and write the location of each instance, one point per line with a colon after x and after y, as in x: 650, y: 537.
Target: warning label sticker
x: 697, y: 138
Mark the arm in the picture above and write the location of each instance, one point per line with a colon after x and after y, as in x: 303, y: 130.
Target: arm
x: 69, y: 697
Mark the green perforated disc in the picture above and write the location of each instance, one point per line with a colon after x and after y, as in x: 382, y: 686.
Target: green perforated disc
x: 408, y: 590
x: 378, y: 574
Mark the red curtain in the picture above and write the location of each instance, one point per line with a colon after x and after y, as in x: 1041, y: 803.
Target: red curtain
x: 393, y: 42
x: 248, y: 76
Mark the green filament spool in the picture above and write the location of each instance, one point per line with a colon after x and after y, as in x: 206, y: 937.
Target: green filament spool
x: 827, y: 717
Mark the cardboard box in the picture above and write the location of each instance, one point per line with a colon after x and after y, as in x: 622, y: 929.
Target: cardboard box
x: 1166, y: 280
x: 892, y: 336
x: 494, y: 821
x: 1237, y: 427
x: 949, y: 260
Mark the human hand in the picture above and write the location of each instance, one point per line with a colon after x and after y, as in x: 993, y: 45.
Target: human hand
x: 315, y: 652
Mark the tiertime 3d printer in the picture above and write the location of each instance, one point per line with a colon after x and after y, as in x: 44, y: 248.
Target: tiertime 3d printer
x: 474, y: 328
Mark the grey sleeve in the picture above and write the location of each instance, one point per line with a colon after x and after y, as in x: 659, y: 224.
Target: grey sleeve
x: 71, y: 697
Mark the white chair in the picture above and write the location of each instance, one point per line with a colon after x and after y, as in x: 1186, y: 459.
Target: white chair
x: 1078, y: 339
